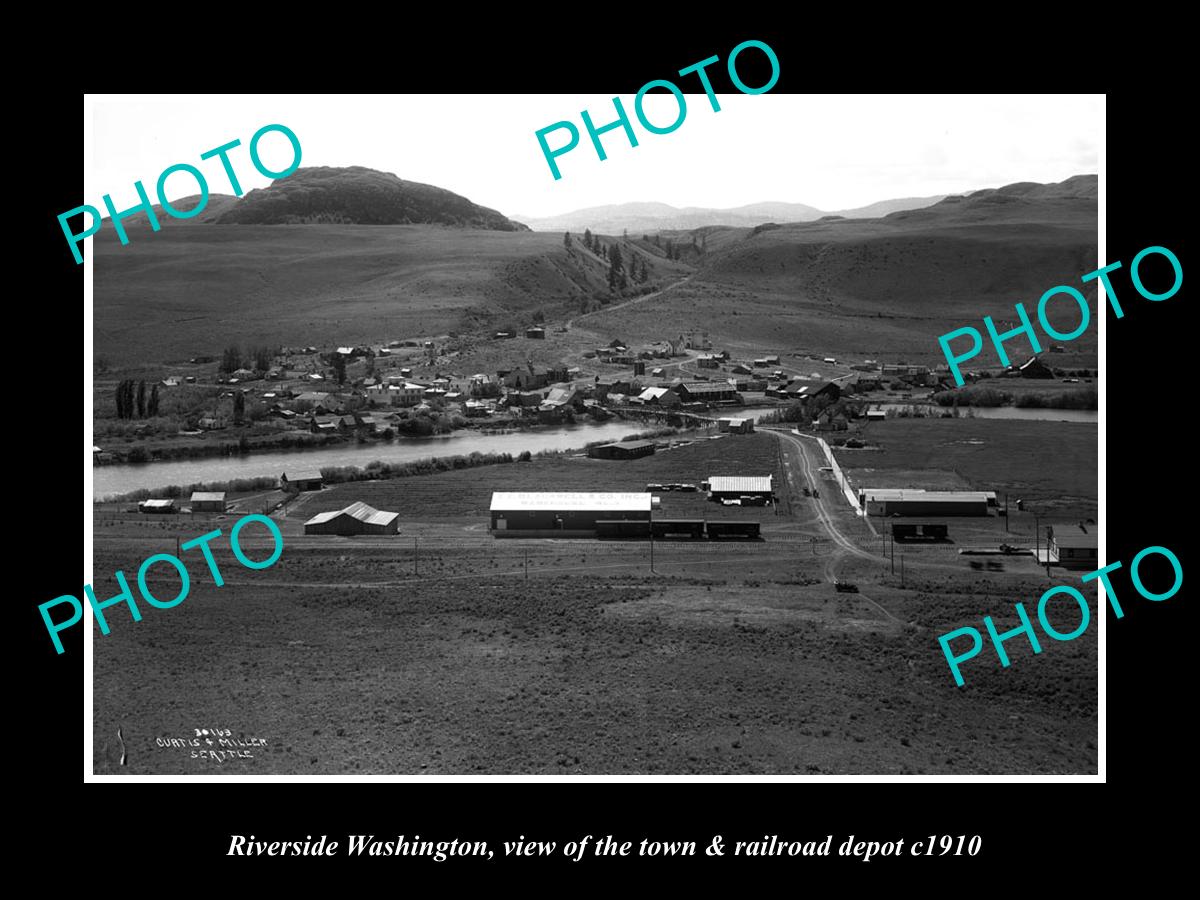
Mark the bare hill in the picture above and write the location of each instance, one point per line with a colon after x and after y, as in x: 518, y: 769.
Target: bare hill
x: 359, y: 196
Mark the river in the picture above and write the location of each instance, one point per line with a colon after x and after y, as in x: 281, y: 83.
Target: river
x: 122, y: 479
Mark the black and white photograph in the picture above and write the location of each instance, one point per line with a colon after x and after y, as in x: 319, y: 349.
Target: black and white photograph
x: 437, y: 436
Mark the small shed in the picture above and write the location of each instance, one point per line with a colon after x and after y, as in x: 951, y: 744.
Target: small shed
x: 208, y: 501
x: 357, y: 518
x: 310, y: 480
x: 157, y: 506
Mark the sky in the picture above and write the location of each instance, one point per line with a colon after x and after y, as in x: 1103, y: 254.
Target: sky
x: 828, y: 151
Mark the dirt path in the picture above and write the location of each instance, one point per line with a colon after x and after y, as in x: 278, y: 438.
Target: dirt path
x: 634, y: 300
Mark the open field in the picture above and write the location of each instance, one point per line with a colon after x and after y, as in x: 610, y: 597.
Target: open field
x: 437, y: 656
x: 1051, y: 465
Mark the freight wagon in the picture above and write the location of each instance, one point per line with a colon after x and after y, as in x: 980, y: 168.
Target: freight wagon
x: 717, y: 530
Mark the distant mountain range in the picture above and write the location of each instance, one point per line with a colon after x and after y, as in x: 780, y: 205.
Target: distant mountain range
x: 638, y: 218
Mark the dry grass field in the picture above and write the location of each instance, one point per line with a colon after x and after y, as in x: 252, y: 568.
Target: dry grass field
x: 372, y: 655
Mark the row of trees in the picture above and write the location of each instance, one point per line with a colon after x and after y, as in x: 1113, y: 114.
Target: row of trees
x: 257, y: 358
x: 134, y: 403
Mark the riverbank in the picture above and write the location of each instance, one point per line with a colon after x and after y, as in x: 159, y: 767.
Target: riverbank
x: 377, y: 470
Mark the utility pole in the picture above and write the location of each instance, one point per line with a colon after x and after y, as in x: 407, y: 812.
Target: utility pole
x: 1006, y: 512
x: 901, y: 570
x: 1037, y: 546
x: 1047, y: 551
x: 526, y: 563
x: 893, y: 548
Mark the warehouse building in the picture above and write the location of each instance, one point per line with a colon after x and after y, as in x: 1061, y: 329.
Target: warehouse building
x: 357, y: 518
x: 707, y: 392
x: 157, y: 506
x: 563, y: 514
x: 623, y: 450
x: 734, y: 487
x: 208, y: 501
x: 301, y: 481
x: 735, y: 426
x: 919, y: 502
x: 1074, y: 549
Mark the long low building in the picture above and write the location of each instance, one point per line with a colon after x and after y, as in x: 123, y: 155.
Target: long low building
x: 357, y: 518
x: 920, y: 502
x: 733, y: 487
x: 623, y: 450
x: 564, y: 514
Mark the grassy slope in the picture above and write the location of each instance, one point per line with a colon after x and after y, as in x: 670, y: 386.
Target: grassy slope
x: 884, y: 288
x: 187, y: 291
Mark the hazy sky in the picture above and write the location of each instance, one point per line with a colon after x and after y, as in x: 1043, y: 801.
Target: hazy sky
x: 832, y: 152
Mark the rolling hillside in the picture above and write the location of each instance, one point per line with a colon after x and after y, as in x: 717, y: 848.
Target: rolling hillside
x: 190, y: 291
x: 887, y: 287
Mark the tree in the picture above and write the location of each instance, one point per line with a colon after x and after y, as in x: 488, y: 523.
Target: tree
x: 119, y: 397
x: 625, y: 233
x: 616, y: 271
x: 231, y: 359
x: 239, y: 407
x: 587, y: 238
x: 567, y: 239
x: 152, y: 403
x: 141, y: 400
x: 339, y: 368
x: 262, y: 358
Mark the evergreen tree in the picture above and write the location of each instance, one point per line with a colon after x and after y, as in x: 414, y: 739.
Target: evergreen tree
x: 239, y: 407
x: 587, y: 238
x: 567, y: 240
x: 616, y: 271
x: 119, y: 397
x: 152, y: 403
x: 141, y: 400
x: 657, y: 241
x: 339, y: 368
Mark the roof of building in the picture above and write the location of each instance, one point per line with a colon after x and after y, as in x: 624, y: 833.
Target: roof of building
x: 551, y: 501
x: 208, y: 496
x: 654, y: 393
x: 358, y: 510
x: 1075, y: 540
x: 304, y: 475
x: 917, y: 494
x: 734, y: 423
x: 631, y: 445
x: 707, y: 387
x: 726, y: 484
x: 158, y: 504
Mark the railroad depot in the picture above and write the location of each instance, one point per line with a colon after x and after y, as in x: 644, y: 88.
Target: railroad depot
x: 918, y: 502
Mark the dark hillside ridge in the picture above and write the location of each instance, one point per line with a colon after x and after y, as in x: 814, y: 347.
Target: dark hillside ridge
x: 359, y: 196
